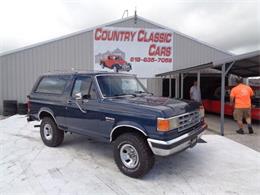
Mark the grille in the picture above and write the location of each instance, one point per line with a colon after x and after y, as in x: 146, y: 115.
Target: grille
x: 188, y: 120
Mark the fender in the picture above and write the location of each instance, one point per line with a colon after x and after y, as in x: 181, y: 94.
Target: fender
x: 49, y: 111
x: 128, y: 124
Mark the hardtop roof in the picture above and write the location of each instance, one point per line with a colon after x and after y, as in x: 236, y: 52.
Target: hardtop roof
x: 92, y: 73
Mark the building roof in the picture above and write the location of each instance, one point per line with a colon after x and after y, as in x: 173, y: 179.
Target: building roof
x: 109, y: 24
x: 244, y: 65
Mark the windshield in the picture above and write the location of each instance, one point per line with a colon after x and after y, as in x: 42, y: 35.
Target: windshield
x: 112, y: 86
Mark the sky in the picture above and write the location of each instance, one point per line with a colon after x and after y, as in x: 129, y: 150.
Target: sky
x: 231, y: 25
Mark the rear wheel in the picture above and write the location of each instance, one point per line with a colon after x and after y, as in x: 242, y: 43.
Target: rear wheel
x: 50, y: 134
x: 133, y: 155
x: 115, y: 68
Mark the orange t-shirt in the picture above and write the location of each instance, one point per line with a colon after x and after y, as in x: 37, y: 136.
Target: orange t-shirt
x: 242, y: 94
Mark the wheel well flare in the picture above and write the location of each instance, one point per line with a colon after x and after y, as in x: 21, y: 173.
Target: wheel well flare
x: 45, y: 114
x: 125, y: 129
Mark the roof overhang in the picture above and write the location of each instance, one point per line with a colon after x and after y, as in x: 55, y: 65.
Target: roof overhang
x: 244, y: 65
x: 186, y: 70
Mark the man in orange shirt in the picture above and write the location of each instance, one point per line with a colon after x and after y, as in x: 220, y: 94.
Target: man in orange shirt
x: 241, y: 95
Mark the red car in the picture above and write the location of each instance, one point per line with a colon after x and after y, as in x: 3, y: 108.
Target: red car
x: 211, y: 105
x: 116, y: 63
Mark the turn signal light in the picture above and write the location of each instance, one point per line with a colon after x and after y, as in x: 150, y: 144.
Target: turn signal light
x: 163, y: 125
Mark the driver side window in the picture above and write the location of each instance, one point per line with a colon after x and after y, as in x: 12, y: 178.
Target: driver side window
x: 83, y: 85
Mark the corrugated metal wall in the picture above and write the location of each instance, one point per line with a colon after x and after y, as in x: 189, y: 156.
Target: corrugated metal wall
x: 21, y: 69
x: 154, y: 85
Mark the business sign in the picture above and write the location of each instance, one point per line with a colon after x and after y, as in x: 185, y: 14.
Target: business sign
x: 144, y: 52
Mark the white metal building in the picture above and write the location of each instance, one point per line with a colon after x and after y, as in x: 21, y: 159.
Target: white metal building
x: 20, y: 68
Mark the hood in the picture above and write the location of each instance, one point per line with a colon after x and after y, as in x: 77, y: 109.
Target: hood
x: 166, y: 106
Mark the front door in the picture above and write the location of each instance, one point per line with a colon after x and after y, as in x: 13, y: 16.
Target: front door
x: 82, y: 116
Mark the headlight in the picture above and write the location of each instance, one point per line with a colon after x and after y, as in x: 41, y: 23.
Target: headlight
x: 202, y: 112
x: 165, y: 125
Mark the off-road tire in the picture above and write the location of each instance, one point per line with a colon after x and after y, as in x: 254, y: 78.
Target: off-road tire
x: 146, y: 157
x: 57, y: 134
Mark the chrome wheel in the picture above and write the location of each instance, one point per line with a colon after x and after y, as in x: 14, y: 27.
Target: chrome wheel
x: 47, y: 130
x: 129, y: 156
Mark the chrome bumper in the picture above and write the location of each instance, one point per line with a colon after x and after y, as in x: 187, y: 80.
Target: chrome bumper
x: 166, y: 148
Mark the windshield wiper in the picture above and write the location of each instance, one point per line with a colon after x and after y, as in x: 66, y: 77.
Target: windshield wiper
x: 142, y: 92
x: 124, y: 94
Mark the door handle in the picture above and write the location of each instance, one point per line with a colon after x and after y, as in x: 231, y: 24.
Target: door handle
x: 69, y: 102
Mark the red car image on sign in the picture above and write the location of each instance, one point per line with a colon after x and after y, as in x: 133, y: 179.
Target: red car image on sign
x: 115, y: 63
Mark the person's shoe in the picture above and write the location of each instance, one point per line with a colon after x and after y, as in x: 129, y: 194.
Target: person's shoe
x: 250, y: 129
x: 240, y: 131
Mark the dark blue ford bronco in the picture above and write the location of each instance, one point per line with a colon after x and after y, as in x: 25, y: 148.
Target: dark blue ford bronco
x: 115, y: 108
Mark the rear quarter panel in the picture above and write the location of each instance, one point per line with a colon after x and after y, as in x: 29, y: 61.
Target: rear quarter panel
x: 54, y: 104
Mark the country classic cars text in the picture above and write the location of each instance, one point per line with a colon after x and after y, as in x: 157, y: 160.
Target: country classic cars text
x: 138, y: 35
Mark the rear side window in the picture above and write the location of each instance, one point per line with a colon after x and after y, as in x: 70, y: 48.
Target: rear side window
x: 52, y: 85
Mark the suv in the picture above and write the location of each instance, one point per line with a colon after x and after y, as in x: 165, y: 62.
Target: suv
x: 115, y: 108
x: 116, y: 63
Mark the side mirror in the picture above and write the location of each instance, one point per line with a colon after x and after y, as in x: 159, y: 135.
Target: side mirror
x: 87, y: 96
x: 78, y: 96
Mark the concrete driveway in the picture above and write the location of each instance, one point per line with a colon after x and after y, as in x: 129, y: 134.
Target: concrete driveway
x: 250, y: 140
x: 83, y: 166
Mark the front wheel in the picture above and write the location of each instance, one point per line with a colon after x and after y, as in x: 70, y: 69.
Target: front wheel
x: 133, y: 155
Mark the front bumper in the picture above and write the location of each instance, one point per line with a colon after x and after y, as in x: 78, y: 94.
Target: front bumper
x: 166, y: 148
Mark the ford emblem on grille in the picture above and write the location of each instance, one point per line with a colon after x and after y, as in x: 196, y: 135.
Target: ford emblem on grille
x: 188, y: 121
